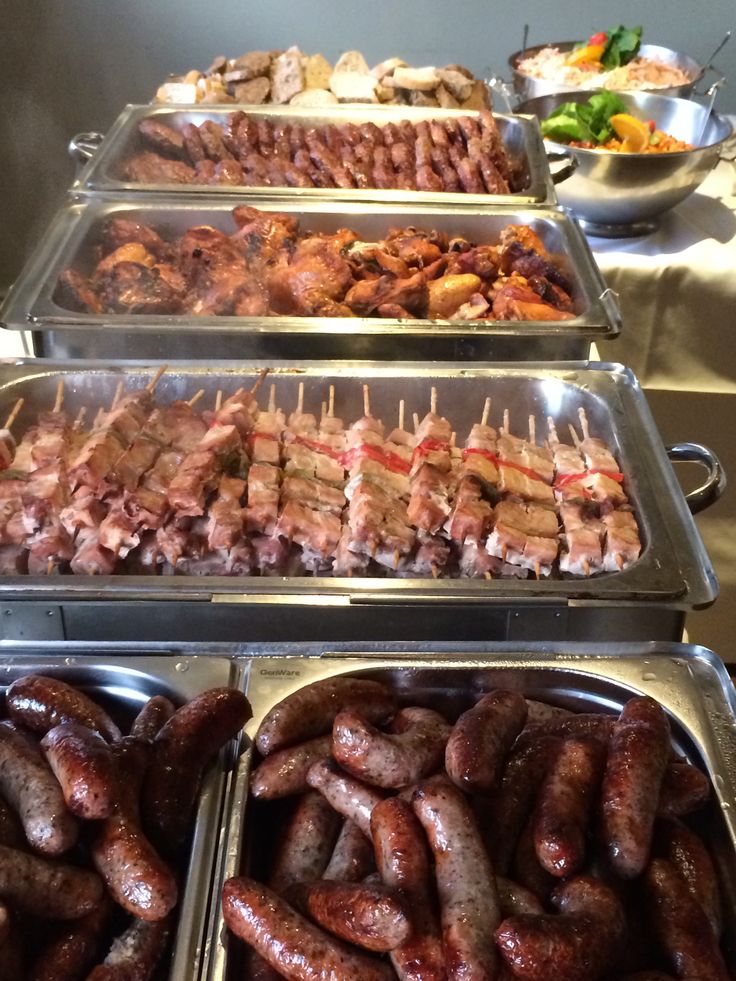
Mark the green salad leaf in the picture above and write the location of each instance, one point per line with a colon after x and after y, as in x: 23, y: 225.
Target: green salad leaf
x: 622, y: 46
x: 584, y: 122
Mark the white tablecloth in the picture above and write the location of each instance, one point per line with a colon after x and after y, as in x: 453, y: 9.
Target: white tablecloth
x: 677, y: 290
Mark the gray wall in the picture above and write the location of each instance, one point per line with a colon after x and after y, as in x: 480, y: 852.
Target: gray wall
x: 71, y: 65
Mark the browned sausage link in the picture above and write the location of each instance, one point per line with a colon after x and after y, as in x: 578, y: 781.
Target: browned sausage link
x: 306, y: 843
x: 30, y: 787
x: 465, y: 884
x: 39, y: 703
x: 181, y: 751
x: 511, y: 804
x: 493, y: 144
x: 291, y: 944
x: 526, y: 868
x: 193, y: 145
x: 684, y: 789
x: 565, y: 804
x: 587, y: 896
x: 688, y: 854
x: 72, y: 953
x: 515, y: 899
x: 538, y: 948
x: 369, y: 916
x: 311, y: 711
x: 50, y: 890
x: 11, y: 830
x: 285, y: 772
x: 482, y: 736
x: 135, y: 954
x: 152, y: 718
x: 637, y: 759
x: 352, y: 856
x: 349, y: 797
x: 444, y: 169
x: 681, y: 926
x: 467, y: 171
x: 82, y: 763
x: 403, y: 864
x: 414, y: 750
x: 584, y: 724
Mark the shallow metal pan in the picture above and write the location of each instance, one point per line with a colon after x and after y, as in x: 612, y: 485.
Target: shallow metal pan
x: 672, y: 576
x: 33, y: 303
x: 690, y: 682
x: 122, y: 679
x: 520, y: 134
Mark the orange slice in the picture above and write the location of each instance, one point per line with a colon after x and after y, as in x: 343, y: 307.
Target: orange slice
x: 589, y: 54
x: 633, y: 133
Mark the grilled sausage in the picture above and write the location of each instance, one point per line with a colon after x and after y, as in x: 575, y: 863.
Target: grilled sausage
x: 81, y: 761
x: 564, y: 805
x: 691, y: 859
x: 391, y: 760
x: 291, y: 944
x: 136, y: 876
x: 540, y: 712
x: 469, y: 904
x: 134, y: 955
x: 369, y: 916
x: 306, y: 843
x: 637, y: 759
x: 481, y: 738
x: 349, y: 797
x: 311, y: 711
x: 684, y: 789
x: 515, y: 899
x: 70, y: 955
x: 526, y: 869
x: 152, y: 718
x: 681, y: 926
x: 352, y: 856
x: 181, y: 751
x: 403, y: 864
x: 285, y: 772
x: 47, y: 889
x: 577, y: 946
x: 582, y: 724
x: 39, y: 703
x: 29, y: 786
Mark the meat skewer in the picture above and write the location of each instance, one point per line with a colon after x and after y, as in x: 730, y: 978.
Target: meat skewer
x: 7, y: 442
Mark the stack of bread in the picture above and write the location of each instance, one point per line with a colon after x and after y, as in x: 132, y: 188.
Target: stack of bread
x: 293, y: 78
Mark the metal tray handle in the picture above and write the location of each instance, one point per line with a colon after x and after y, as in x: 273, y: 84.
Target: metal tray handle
x: 715, y: 484
x: 571, y: 165
x: 84, y: 146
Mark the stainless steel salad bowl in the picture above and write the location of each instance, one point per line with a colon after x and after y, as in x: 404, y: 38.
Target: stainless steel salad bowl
x: 527, y: 87
x: 620, y: 194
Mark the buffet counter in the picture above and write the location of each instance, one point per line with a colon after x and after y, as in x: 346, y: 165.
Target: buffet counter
x: 677, y: 293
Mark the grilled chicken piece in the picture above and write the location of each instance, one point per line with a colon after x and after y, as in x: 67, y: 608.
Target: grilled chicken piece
x: 75, y: 292
x: 448, y: 293
x: 129, y: 287
x: 514, y: 302
x: 122, y: 231
x: 315, y: 280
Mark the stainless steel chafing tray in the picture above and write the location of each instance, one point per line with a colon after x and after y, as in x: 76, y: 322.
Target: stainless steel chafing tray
x: 122, y: 678
x: 673, y: 574
x: 521, y: 136
x: 689, y: 682
x: 34, y: 303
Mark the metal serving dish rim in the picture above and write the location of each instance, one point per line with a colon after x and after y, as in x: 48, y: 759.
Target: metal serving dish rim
x: 696, y: 691
x: 30, y: 304
x: 94, y: 176
x: 182, y: 672
x: 673, y: 570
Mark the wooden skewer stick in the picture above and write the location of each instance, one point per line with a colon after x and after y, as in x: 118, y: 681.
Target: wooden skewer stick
x: 506, y: 422
x: 396, y: 559
x: 504, y: 552
x: 586, y: 567
x: 374, y: 549
x: 58, y: 402
x: 619, y: 560
x: 272, y: 398
x: 537, y: 570
x: 300, y: 399
x: 435, y: 571
x: 218, y: 400
x: 582, y: 416
x: 118, y: 393
x: 532, y: 430
x: 258, y: 382
x: 487, y: 575
x: 324, y: 410
x: 366, y: 400
x: 349, y: 573
x: 575, y: 437
x: 433, y: 400
x: 552, y: 430
x: 401, y: 414
x: 195, y: 398
x: 14, y: 413
x: 453, y: 440
x: 486, y: 412
x: 151, y: 386
x: 415, y: 419
x: 50, y: 561
x: 331, y: 402
x: 80, y: 419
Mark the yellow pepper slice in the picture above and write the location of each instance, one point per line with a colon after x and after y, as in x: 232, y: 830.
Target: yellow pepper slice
x: 589, y: 54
